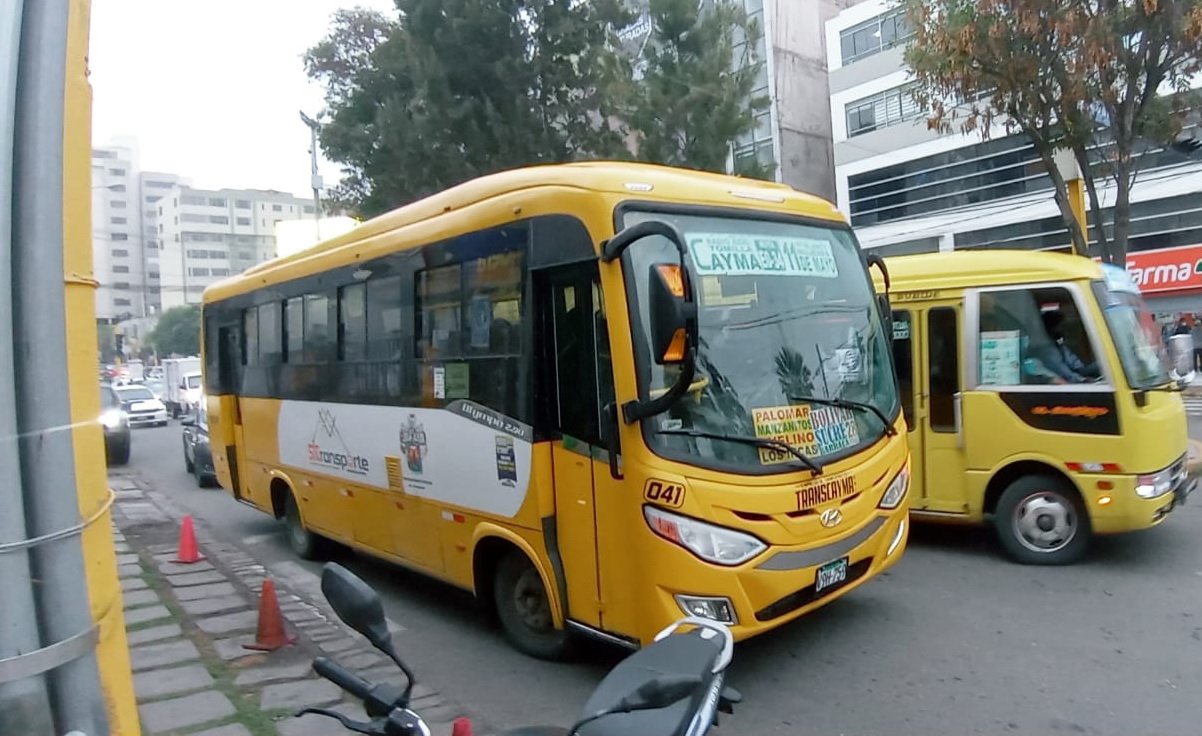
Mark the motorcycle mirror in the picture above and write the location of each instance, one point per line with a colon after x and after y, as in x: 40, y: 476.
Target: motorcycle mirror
x: 356, y: 604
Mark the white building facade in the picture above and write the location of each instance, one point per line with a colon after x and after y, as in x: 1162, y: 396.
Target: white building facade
x: 153, y: 186
x: 792, y: 137
x: 908, y: 189
x: 207, y: 235
x: 118, y: 262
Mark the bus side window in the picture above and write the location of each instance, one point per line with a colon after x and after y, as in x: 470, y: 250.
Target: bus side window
x: 943, y: 358
x: 1033, y: 336
x: 903, y: 362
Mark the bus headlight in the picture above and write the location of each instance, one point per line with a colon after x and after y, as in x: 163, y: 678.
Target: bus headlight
x: 1154, y: 484
x: 711, y: 543
x: 896, y: 490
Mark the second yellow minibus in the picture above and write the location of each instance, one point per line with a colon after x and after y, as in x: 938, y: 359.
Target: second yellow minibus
x: 1037, y: 392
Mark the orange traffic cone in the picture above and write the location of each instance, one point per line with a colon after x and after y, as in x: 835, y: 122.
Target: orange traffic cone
x: 461, y: 727
x: 271, y: 634
x: 188, y: 552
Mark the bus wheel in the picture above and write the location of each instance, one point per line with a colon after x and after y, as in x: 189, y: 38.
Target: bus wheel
x: 304, y: 543
x: 525, y: 609
x: 1040, y: 520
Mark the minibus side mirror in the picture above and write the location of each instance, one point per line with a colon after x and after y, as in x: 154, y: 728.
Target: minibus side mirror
x: 670, y: 313
x: 1181, y: 357
x: 673, y: 314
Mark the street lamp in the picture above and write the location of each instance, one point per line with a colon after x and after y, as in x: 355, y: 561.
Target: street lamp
x: 315, y: 178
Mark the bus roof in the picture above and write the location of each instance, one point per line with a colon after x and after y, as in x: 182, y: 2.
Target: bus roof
x: 640, y: 181
x: 964, y: 269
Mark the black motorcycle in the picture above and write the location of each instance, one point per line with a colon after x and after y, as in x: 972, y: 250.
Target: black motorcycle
x: 673, y: 687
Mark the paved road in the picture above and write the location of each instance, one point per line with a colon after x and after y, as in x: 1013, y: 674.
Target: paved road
x: 955, y: 640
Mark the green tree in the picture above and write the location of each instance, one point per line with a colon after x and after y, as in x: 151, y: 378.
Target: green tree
x: 177, y: 332
x: 1107, y: 80
x: 456, y: 89
x: 693, y: 97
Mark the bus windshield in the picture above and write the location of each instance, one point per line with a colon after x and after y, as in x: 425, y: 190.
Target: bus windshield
x: 792, y: 348
x: 1136, y: 337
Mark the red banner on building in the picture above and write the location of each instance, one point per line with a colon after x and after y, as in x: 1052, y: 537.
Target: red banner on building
x: 1167, y: 271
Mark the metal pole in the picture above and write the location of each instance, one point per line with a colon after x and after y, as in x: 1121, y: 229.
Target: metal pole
x: 43, y: 407
x: 315, y: 179
x: 24, y: 705
x: 314, y: 176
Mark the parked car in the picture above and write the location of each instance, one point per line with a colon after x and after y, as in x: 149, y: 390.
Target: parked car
x: 198, y: 457
x: 143, y: 408
x: 116, y: 427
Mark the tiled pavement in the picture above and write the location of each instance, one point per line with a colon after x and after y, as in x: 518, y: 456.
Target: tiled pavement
x: 187, y: 625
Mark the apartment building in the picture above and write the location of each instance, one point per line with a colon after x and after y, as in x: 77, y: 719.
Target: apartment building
x: 117, y: 251
x: 206, y: 235
x: 908, y: 189
x: 153, y: 186
x: 792, y: 138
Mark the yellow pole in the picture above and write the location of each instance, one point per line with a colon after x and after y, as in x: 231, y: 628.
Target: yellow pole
x: 104, y: 591
x: 1076, y: 200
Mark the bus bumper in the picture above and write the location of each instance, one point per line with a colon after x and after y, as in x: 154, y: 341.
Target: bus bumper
x: 1126, y: 510
x: 778, y: 586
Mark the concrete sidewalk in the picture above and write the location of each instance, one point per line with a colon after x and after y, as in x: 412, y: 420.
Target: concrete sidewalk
x: 187, y: 625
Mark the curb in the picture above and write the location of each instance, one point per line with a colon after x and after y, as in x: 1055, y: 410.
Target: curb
x: 187, y: 624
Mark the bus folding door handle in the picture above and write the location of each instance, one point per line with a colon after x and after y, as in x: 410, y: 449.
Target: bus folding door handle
x: 958, y: 410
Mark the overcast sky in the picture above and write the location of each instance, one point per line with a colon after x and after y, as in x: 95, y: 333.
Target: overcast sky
x: 211, y: 88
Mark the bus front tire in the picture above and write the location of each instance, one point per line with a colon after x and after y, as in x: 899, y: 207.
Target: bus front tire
x: 1040, y: 520
x: 524, y: 609
x: 303, y: 542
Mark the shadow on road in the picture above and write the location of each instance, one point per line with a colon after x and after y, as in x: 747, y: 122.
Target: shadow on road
x: 458, y: 607
x: 975, y: 541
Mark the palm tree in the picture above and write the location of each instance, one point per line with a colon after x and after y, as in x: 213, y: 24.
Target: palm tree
x: 796, y: 378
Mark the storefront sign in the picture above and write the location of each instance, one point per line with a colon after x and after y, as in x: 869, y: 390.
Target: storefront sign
x: 1167, y: 271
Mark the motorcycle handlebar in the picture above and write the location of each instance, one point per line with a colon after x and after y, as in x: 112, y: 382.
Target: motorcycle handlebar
x: 342, y: 677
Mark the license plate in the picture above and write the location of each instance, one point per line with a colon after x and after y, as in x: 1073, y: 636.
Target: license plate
x: 830, y: 574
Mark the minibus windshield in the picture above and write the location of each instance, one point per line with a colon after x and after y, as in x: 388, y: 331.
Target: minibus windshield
x: 788, y: 327
x: 1136, y: 337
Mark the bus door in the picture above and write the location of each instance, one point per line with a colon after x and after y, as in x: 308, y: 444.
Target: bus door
x: 937, y: 442
x: 579, y: 384
x: 229, y: 365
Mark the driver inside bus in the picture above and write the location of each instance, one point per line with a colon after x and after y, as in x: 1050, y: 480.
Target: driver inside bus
x: 1042, y: 362
x: 1074, y: 369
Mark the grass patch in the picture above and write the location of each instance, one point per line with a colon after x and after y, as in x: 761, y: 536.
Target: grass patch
x: 246, y: 703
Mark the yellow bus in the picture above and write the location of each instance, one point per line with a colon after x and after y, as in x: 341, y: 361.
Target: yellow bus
x: 1037, y: 392
x: 600, y: 396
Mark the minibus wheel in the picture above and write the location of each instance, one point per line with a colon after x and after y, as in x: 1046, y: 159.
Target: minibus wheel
x: 1040, y: 520
x: 303, y: 542
x: 524, y: 609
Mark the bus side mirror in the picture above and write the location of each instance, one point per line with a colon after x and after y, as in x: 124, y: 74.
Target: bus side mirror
x: 882, y: 299
x: 670, y: 313
x: 886, y: 310
x: 1181, y: 357
x: 667, y: 321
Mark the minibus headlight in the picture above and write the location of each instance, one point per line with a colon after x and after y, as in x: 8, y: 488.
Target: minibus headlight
x: 896, y: 490
x: 711, y: 543
x: 1154, y: 484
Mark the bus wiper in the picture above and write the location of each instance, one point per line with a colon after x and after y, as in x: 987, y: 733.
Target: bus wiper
x: 764, y: 442
x: 890, y: 430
